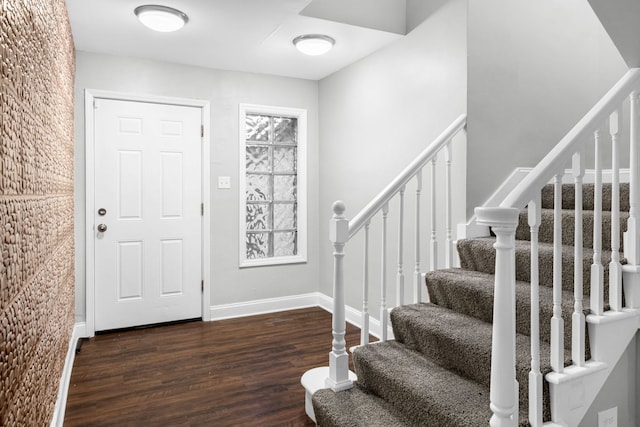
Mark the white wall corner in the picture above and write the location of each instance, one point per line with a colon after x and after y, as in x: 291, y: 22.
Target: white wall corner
x: 79, y: 331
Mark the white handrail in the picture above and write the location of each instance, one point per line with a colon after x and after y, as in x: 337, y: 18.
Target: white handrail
x: 561, y: 154
x: 405, y: 176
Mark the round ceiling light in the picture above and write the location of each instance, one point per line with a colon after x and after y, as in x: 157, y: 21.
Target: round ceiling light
x: 161, y: 18
x: 314, y: 44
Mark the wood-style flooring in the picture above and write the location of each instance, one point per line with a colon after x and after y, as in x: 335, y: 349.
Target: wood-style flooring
x: 236, y: 372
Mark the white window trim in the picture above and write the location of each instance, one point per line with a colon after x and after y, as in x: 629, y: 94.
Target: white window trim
x: 301, y: 196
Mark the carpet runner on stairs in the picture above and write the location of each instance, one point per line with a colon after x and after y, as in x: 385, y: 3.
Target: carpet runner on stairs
x: 437, y: 370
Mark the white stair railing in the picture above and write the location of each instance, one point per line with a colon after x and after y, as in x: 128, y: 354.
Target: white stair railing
x: 504, y: 218
x: 342, y: 230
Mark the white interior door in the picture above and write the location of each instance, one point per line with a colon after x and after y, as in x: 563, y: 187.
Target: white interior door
x: 147, y: 217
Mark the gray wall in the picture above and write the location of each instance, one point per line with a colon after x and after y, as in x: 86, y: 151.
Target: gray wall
x: 535, y: 68
x: 225, y: 90
x: 620, y: 390
x: 377, y: 115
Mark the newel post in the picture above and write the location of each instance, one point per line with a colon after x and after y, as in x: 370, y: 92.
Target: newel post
x: 338, y: 379
x: 504, y: 387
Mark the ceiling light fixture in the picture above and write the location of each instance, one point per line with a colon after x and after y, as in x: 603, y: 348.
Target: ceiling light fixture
x: 161, y: 18
x: 314, y: 44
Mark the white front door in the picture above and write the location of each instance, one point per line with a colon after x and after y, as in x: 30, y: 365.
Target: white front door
x: 147, y: 217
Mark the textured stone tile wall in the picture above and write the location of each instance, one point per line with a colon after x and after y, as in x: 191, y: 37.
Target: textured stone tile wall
x: 36, y: 206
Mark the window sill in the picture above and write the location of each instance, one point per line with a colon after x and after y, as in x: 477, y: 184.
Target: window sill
x: 274, y: 261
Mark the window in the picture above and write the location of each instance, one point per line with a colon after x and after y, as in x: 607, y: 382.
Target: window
x: 272, y: 185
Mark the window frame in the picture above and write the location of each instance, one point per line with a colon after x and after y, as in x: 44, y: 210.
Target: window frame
x: 301, y: 188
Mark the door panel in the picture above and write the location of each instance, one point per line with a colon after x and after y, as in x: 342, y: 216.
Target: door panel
x: 148, y: 179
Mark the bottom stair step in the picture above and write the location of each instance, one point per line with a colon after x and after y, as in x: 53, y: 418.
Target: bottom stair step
x: 423, y: 391
x: 355, y: 407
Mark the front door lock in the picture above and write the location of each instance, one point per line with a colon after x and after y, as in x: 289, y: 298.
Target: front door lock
x: 102, y: 228
x: 102, y: 211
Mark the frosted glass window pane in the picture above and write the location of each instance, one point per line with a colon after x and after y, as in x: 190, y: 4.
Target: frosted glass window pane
x: 258, y: 159
x: 284, y: 244
x: 285, y: 130
x: 258, y: 216
x: 284, y: 159
x: 257, y: 128
x: 284, y: 216
x: 284, y: 187
x: 258, y: 187
x: 257, y: 245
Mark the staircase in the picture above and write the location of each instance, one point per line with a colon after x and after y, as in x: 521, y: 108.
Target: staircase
x: 521, y: 334
x: 437, y: 371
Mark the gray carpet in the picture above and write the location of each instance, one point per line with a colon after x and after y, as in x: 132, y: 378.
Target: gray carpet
x: 437, y: 371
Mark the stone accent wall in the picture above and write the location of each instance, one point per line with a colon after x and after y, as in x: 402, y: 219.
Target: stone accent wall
x: 36, y: 207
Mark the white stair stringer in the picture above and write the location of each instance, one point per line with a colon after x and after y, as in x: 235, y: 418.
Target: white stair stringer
x: 573, y: 391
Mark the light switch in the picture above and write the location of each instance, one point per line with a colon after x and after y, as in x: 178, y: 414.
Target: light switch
x: 224, y: 182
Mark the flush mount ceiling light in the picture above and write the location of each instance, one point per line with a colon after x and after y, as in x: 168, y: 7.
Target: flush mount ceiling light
x: 314, y: 44
x: 161, y: 18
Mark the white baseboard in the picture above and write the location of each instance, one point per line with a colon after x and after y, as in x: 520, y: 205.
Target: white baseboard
x: 57, y: 420
x: 354, y: 317
x: 294, y: 302
x: 263, y: 306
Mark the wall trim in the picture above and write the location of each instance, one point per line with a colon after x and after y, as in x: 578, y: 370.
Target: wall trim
x: 262, y: 306
x: 79, y: 331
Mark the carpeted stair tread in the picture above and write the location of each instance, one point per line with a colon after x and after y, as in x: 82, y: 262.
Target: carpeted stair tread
x: 462, y: 343
x: 437, y: 371
x: 569, y: 201
x: 471, y: 292
x: 356, y: 408
x: 545, y: 232
x: 479, y: 254
x: 420, y: 388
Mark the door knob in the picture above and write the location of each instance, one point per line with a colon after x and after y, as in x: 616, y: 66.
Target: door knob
x: 102, y: 228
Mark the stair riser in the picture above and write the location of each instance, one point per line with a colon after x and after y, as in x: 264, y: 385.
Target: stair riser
x: 479, y: 255
x: 473, y: 362
x: 475, y: 298
x: 569, y: 200
x: 397, y: 378
x: 545, y: 232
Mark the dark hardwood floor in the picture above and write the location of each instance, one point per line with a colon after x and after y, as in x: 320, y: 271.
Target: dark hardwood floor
x: 237, y: 372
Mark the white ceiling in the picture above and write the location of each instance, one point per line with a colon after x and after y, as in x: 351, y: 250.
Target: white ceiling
x: 244, y: 35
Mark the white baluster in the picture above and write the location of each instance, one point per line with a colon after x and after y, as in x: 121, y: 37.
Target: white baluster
x: 632, y: 243
x: 400, y: 275
x: 338, y: 358
x: 535, y: 375
x: 383, y: 275
x: 557, y: 323
x: 631, y: 271
x: 503, y: 393
x: 615, y: 268
x: 597, y: 270
x: 434, y: 241
x: 448, y: 153
x: 577, y: 318
x: 364, y: 332
x: 417, y: 273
